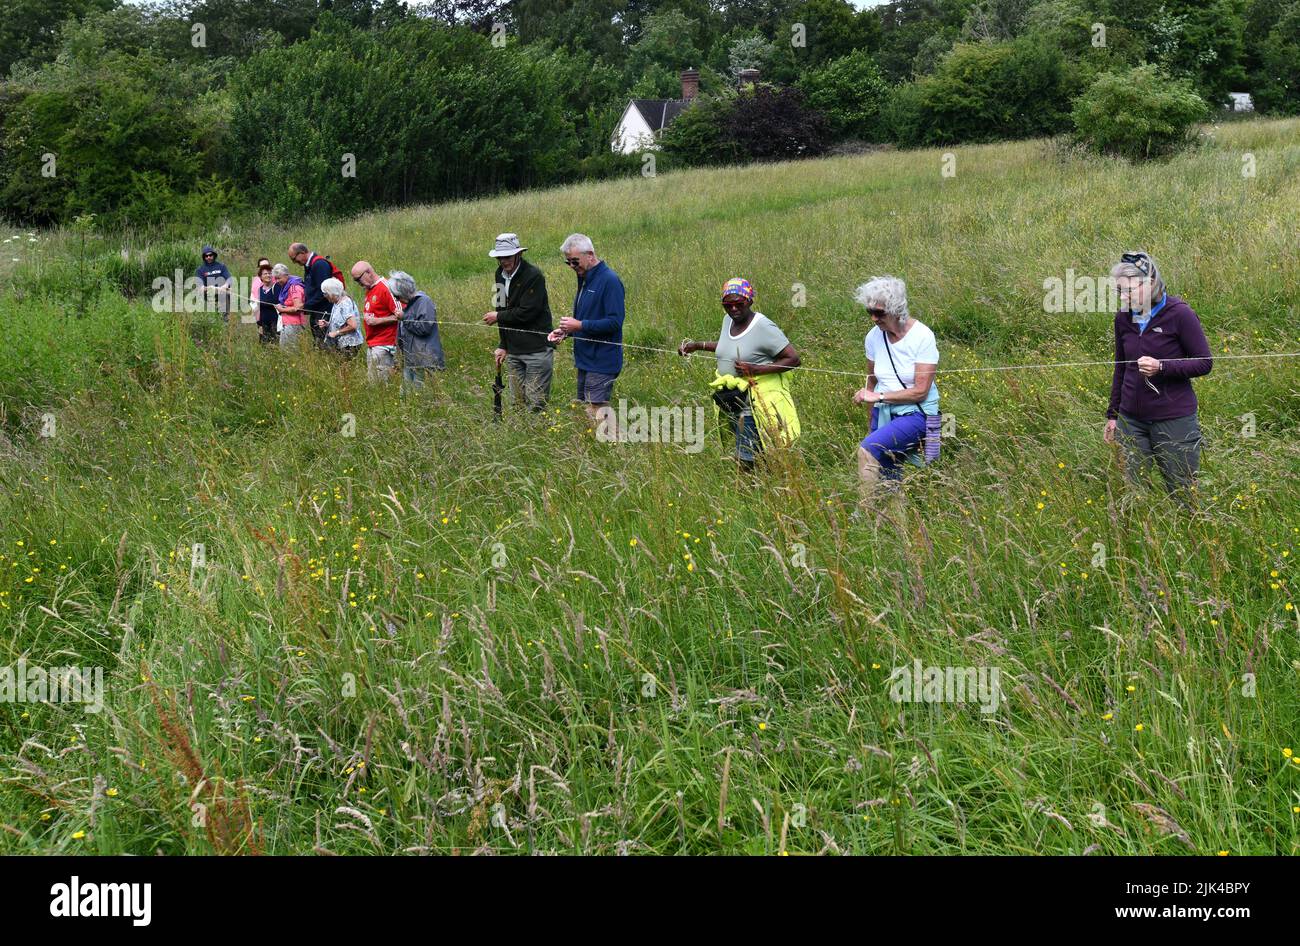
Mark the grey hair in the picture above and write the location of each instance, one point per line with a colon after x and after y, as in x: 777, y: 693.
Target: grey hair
x: 887, y: 292
x: 332, y: 287
x: 279, y: 269
x: 1124, y: 269
x: 577, y: 241
x: 402, y: 285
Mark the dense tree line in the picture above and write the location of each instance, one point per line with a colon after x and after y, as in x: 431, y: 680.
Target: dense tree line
x: 139, y: 112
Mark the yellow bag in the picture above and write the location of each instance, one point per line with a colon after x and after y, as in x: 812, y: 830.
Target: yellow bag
x: 775, y: 415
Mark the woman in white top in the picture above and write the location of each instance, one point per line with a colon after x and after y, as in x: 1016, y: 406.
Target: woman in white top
x: 342, y: 329
x: 902, y: 358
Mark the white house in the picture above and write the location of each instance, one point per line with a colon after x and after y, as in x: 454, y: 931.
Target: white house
x: 644, y: 119
x: 1241, y: 102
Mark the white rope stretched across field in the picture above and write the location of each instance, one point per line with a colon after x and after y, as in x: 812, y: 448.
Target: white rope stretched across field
x: 858, y: 374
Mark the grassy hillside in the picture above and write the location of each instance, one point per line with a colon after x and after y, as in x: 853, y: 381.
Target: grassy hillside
x: 444, y: 634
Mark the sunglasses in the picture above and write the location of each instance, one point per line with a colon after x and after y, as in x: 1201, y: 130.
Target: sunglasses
x: 573, y: 260
x: 1140, y: 260
x: 876, y: 313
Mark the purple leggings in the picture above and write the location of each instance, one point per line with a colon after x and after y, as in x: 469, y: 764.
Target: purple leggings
x: 891, y: 443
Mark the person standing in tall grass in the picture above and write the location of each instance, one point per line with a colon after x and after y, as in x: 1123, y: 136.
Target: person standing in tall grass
x: 902, y: 359
x: 264, y: 297
x: 342, y: 330
x: 751, y: 390
x: 597, y: 330
x: 315, y: 270
x: 216, y: 280
x: 290, y: 296
x: 1160, y: 347
x: 417, y: 333
x: 380, y: 317
x: 523, y: 320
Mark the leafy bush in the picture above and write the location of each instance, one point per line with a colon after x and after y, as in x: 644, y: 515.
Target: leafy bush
x: 851, y: 92
x: 757, y: 124
x: 767, y: 124
x: 985, y: 92
x: 426, y: 113
x: 1137, y: 114
x: 103, y: 133
x: 696, y: 136
x: 1277, y: 80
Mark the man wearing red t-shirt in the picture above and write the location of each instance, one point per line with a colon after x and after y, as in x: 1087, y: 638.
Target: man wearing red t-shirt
x: 380, y: 317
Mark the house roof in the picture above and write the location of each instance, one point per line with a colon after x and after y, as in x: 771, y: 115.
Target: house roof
x: 659, y: 113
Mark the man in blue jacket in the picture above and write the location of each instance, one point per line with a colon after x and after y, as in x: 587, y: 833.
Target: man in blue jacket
x: 315, y: 270
x: 596, y: 327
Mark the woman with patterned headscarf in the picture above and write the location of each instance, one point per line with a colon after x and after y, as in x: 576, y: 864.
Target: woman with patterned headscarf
x: 752, y: 389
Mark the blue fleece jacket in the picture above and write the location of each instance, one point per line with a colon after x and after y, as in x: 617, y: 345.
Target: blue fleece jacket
x: 599, y: 307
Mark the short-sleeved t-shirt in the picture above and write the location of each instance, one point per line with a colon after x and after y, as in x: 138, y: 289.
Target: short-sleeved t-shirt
x: 340, y: 312
x: 918, y: 346
x: 759, y: 343
x: 293, y: 297
x: 381, y: 305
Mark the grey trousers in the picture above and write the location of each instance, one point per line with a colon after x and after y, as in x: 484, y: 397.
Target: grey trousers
x: 530, y: 378
x: 1174, y: 445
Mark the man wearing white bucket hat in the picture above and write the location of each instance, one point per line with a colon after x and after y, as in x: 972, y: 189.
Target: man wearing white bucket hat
x: 523, y: 318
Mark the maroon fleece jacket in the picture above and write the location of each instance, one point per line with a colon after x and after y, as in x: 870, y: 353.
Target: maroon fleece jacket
x: 1174, y: 337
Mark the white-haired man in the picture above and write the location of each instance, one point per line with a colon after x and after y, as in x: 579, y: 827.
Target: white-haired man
x: 596, y: 328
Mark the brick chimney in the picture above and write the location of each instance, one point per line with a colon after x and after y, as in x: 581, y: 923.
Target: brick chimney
x: 747, y: 77
x: 690, y: 84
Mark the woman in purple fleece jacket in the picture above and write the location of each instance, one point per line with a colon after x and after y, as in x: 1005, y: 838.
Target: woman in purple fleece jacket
x: 1159, y: 347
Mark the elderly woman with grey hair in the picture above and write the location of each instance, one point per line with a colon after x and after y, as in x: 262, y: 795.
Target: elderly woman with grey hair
x: 902, y: 359
x: 291, y: 295
x: 417, y: 334
x: 1159, y: 347
x: 343, y: 327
